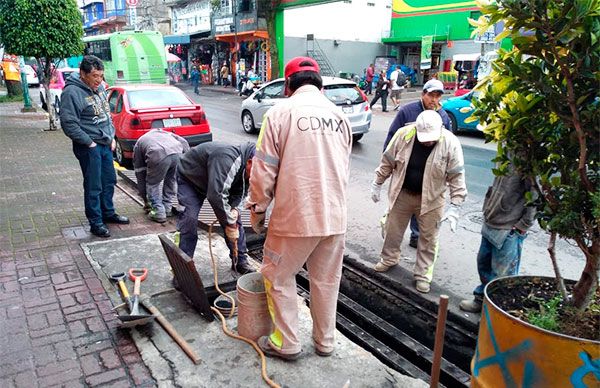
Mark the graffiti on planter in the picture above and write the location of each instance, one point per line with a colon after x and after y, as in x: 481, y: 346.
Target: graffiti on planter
x: 502, y: 358
x: 589, y: 366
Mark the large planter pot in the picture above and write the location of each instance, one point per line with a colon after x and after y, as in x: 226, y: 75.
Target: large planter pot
x: 513, y: 353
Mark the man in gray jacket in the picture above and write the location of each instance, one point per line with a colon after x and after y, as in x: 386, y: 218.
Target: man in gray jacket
x: 85, y: 118
x: 507, y: 217
x: 155, y: 157
x: 220, y: 173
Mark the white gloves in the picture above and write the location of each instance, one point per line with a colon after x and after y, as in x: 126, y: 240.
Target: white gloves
x: 257, y: 220
x: 375, y: 192
x: 451, y: 216
x: 232, y: 232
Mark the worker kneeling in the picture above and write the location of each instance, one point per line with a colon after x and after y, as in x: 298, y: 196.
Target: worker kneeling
x: 220, y: 173
x: 306, y: 174
x: 422, y: 159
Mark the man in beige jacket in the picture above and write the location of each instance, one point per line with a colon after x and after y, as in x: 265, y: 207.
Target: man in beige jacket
x: 422, y: 158
x: 302, y: 164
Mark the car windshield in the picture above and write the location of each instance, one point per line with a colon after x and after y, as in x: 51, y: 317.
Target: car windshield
x: 343, y: 94
x: 156, y: 98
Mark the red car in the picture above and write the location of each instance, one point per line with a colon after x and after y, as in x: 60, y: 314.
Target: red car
x: 136, y: 109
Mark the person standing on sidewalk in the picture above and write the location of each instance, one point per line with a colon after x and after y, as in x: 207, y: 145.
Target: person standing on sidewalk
x: 85, y: 119
x: 195, y: 79
x: 423, y: 160
x: 302, y: 163
x: 219, y: 173
x: 224, y: 75
x: 381, y: 91
x: 370, y: 74
x: 430, y: 99
x: 507, y: 218
x: 155, y: 157
x: 397, y: 80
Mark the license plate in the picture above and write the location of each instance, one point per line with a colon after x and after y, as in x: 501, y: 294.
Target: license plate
x: 348, y: 109
x: 172, y: 122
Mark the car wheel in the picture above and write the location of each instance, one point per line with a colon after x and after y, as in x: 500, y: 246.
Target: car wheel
x: 43, y: 100
x: 121, y: 159
x: 248, y: 122
x: 356, y: 138
x: 453, y: 123
x: 57, y: 106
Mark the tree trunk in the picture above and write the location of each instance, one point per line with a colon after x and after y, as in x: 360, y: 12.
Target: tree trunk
x: 586, y: 287
x: 52, y: 119
x: 273, y: 49
x: 14, y: 88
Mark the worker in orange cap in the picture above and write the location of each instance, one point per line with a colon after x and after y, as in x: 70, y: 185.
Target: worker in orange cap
x: 302, y: 164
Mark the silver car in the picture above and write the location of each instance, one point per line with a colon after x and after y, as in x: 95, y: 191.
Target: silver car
x: 342, y: 92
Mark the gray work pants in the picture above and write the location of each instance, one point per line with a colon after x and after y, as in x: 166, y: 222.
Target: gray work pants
x: 162, y: 172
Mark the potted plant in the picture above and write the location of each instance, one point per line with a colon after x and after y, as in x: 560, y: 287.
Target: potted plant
x: 541, y: 105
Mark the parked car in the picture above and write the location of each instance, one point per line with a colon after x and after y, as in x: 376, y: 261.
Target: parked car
x: 342, y: 92
x: 138, y: 108
x: 56, y: 86
x: 32, y: 77
x: 459, y: 109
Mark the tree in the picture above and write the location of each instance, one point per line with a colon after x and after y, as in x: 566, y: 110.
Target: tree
x: 541, y: 106
x: 48, y: 30
x: 270, y: 8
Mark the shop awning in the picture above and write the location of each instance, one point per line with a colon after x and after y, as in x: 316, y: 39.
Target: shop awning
x: 176, y: 39
x: 244, y: 35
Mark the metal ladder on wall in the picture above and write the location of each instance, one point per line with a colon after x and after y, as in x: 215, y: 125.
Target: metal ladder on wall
x: 314, y: 51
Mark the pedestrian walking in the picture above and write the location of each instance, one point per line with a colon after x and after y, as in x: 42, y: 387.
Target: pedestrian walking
x: 397, y: 80
x: 85, y: 119
x: 224, y: 75
x: 423, y: 159
x: 430, y: 99
x: 381, y: 91
x: 507, y: 217
x: 370, y: 74
x: 155, y: 157
x: 308, y: 224
x: 195, y: 79
x: 217, y: 172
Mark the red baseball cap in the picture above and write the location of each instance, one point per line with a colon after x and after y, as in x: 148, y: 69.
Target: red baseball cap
x: 294, y: 66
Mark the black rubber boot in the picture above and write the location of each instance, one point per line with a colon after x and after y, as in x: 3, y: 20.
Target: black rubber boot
x: 242, y: 267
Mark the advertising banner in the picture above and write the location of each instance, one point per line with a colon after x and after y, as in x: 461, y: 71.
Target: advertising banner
x: 426, y: 45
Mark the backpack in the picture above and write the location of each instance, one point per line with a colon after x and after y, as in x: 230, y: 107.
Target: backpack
x: 401, y: 79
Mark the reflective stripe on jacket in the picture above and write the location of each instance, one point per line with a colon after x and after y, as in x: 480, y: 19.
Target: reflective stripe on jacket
x: 445, y: 166
x: 302, y: 162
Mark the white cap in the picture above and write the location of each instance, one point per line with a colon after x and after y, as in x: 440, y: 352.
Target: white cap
x: 429, y: 126
x: 433, y: 85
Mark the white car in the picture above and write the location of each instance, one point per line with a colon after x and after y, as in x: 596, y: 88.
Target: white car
x: 57, y: 84
x: 342, y: 92
x: 32, y: 77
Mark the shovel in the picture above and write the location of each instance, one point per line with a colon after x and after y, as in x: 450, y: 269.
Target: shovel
x: 135, y: 317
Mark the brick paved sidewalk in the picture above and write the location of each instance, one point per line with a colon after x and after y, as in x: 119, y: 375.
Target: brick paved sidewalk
x: 56, y: 327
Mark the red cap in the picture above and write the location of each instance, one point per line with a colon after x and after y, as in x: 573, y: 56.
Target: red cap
x: 293, y: 66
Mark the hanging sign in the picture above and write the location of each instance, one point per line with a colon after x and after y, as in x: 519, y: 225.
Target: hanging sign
x: 132, y: 3
x: 426, y: 46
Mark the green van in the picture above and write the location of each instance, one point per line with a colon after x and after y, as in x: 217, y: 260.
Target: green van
x: 130, y: 56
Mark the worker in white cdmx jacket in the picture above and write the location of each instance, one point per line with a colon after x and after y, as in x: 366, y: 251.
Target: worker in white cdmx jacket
x: 302, y: 164
x: 423, y: 158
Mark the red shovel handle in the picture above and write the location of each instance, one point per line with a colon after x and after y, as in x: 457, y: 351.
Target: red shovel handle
x: 138, y: 275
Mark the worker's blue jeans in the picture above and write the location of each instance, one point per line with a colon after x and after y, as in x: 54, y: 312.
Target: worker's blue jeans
x: 187, y: 221
x: 499, y: 255
x: 99, y: 181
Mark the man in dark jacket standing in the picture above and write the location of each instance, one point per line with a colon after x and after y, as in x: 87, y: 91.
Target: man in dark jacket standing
x: 220, y: 173
x: 85, y: 118
x: 507, y: 218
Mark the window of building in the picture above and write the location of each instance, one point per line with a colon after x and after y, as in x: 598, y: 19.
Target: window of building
x: 474, y: 15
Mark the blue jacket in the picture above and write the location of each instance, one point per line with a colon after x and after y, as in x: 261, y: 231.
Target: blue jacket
x: 408, y: 114
x: 85, y: 114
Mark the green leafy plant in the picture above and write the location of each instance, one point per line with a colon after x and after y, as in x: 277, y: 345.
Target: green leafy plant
x: 48, y: 30
x: 541, y: 105
x: 8, y: 98
x: 547, y: 316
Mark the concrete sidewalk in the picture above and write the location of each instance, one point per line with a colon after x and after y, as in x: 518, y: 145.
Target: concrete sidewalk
x: 56, y: 326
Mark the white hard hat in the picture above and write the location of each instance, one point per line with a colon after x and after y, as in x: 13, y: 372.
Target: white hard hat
x: 429, y: 126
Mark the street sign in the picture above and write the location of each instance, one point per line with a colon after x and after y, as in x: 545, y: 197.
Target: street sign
x: 487, y: 37
x: 132, y: 3
x: 133, y: 17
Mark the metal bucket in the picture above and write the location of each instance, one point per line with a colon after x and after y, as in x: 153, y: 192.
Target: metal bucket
x: 254, y: 319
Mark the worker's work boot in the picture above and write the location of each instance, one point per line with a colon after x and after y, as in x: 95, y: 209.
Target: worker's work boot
x: 154, y: 216
x: 265, y: 345
x: 242, y: 267
x: 423, y: 286
x: 382, y: 267
x: 471, y: 305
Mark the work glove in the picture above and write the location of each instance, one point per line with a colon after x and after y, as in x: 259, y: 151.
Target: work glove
x: 232, y: 232
x: 375, y: 192
x: 235, y: 213
x: 451, y: 216
x: 257, y: 220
